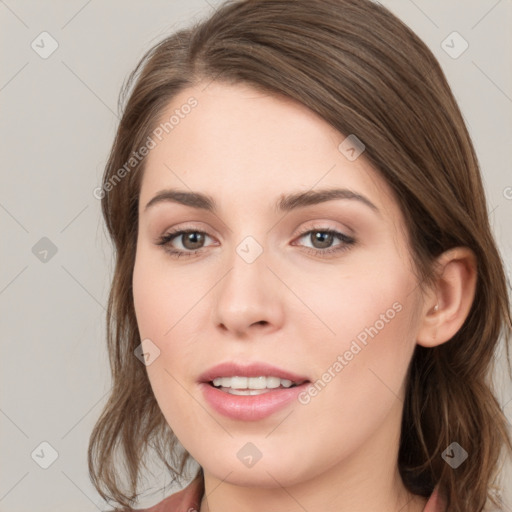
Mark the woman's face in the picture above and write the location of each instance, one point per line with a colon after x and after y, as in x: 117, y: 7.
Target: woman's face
x: 339, y: 310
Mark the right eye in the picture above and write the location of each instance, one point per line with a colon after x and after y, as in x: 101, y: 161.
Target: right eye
x: 191, y: 241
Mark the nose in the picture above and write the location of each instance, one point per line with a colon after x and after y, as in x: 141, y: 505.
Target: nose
x: 248, y: 298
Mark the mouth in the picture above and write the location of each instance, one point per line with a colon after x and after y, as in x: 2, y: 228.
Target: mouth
x: 248, y: 386
x: 250, y: 392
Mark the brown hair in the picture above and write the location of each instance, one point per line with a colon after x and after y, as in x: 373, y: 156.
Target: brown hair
x: 366, y: 73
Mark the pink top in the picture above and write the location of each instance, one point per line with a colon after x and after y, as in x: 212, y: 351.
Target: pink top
x: 189, y: 499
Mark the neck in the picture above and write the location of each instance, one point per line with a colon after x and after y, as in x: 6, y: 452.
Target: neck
x: 391, y: 496
x: 366, y: 480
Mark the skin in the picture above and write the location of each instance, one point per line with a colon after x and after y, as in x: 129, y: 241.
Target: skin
x: 290, y: 308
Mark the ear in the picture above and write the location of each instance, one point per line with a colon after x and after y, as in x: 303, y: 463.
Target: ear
x: 451, y: 297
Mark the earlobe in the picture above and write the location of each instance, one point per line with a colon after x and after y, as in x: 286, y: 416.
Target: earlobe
x: 453, y: 292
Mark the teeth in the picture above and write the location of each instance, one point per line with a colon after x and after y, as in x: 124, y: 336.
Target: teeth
x: 251, y: 383
x: 245, y: 391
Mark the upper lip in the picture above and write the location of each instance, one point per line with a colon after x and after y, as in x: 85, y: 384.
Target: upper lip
x: 254, y: 369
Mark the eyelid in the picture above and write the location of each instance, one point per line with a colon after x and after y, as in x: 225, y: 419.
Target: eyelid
x: 187, y: 226
x: 322, y: 225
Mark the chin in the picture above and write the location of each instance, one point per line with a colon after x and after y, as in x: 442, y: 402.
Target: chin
x: 261, y: 474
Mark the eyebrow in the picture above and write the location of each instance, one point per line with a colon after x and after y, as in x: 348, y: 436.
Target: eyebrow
x: 285, y: 203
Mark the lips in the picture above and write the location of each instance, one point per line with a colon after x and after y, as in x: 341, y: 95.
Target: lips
x: 250, y: 407
x: 256, y: 369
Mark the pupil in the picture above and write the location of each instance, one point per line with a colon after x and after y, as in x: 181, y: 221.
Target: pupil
x: 319, y: 235
x: 193, y: 238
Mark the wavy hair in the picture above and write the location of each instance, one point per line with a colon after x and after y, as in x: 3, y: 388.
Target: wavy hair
x: 365, y: 72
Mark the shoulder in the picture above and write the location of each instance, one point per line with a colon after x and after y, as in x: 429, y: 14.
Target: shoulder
x: 186, y: 500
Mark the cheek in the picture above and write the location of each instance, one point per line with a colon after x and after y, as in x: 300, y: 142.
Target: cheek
x: 158, y: 312
x: 368, y: 332
x: 165, y: 309
x: 160, y: 295
x: 353, y: 298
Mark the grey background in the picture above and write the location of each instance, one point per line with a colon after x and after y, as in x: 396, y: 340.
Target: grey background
x: 58, y: 120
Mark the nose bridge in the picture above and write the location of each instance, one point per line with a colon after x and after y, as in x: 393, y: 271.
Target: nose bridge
x: 248, y: 251
x: 246, y: 294
x: 247, y: 279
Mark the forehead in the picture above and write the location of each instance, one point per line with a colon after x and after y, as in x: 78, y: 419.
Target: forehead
x: 245, y: 147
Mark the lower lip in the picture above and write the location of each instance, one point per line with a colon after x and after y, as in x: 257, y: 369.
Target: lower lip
x: 250, y: 407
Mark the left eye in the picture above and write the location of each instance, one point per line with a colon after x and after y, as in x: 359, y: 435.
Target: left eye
x: 325, y: 237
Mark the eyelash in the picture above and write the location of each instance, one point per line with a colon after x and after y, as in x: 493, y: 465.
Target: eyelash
x: 348, y: 241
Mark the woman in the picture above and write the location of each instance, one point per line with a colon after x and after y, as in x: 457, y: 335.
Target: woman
x: 307, y: 295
